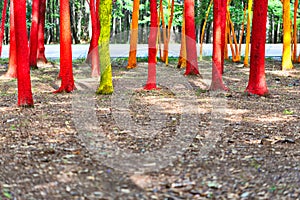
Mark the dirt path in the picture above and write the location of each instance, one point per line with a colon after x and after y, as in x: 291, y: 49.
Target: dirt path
x: 179, y: 142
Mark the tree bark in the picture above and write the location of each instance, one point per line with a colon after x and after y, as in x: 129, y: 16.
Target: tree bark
x: 151, y: 82
x: 257, y: 80
x: 23, y: 69
x: 66, y: 73
x: 41, y: 33
x: 192, y: 63
x: 246, y: 59
x: 2, y: 24
x: 218, y: 45
x: 33, y: 42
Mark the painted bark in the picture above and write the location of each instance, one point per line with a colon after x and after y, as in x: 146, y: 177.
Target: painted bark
x: 182, y: 56
x: 134, y: 35
x: 295, y: 39
x: 218, y: 45
x: 191, y: 50
x: 106, y: 85
x: 151, y: 82
x: 246, y: 59
x: 163, y: 24
x: 166, y: 47
x: 41, y: 33
x: 66, y: 73
x: 23, y: 69
x: 3, y: 18
x: 93, y: 55
x: 257, y: 80
x: 12, y: 66
x: 33, y: 42
x: 286, y: 53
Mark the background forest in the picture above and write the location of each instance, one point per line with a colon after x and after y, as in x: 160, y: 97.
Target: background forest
x: 122, y: 10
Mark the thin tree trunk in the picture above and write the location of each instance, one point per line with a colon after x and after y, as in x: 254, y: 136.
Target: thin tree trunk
x: 295, y: 31
x: 166, y: 47
x: 2, y: 24
x: 134, y: 35
x: 246, y: 59
x: 41, y: 33
x: 33, y: 42
x: 182, y: 56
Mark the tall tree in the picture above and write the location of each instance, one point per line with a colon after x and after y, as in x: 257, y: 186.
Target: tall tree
x: 218, y: 45
x: 295, y: 39
x: 286, y: 53
x: 93, y: 55
x: 12, y: 66
x: 134, y: 35
x: 3, y: 18
x: 191, y: 54
x: 246, y: 59
x: 166, y: 46
x: 23, y: 69
x: 182, y: 56
x: 41, y: 33
x: 106, y: 86
x: 66, y: 71
x: 257, y: 80
x: 33, y: 42
x: 151, y: 82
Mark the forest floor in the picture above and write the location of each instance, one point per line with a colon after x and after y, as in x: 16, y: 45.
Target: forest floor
x: 178, y: 142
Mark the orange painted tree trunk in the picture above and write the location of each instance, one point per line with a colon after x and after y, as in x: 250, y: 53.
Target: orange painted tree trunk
x: 182, y: 56
x: 23, y: 69
x: 12, y: 66
x: 41, y: 33
x: 257, y: 80
x: 93, y: 55
x: 166, y: 47
x: 33, y: 42
x: 219, y: 25
x: 66, y: 73
x: 246, y: 59
x: 3, y: 18
x: 286, y: 53
x: 191, y: 50
x: 134, y: 35
x: 151, y: 82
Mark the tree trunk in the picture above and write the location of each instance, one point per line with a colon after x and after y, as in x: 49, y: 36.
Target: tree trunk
x: 33, y: 42
x: 246, y: 59
x: 134, y: 35
x: 218, y: 44
x: 295, y: 31
x: 2, y: 24
x: 66, y: 73
x: 12, y: 66
x: 192, y: 63
x: 23, y: 69
x: 41, y: 33
x: 151, y: 82
x: 257, y: 80
x: 182, y: 56
x: 286, y: 53
x: 106, y: 86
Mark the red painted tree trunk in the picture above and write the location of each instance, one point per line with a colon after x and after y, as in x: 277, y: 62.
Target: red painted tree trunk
x: 257, y: 80
x: 93, y: 55
x: 2, y: 24
x: 66, y: 73
x: 191, y: 50
x: 151, y: 82
x: 218, y: 44
x: 33, y: 42
x: 41, y: 33
x: 23, y: 69
x: 12, y: 66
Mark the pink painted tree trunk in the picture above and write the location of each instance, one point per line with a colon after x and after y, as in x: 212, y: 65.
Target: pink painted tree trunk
x: 41, y: 33
x: 3, y: 18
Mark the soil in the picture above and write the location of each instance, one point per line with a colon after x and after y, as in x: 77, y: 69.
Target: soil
x: 79, y: 145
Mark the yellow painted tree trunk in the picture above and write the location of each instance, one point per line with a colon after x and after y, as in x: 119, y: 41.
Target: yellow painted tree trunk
x: 134, y: 35
x: 163, y: 24
x: 203, y: 29
x: 106, y: 86
x: 247, y: 48
x: 286, y: 53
